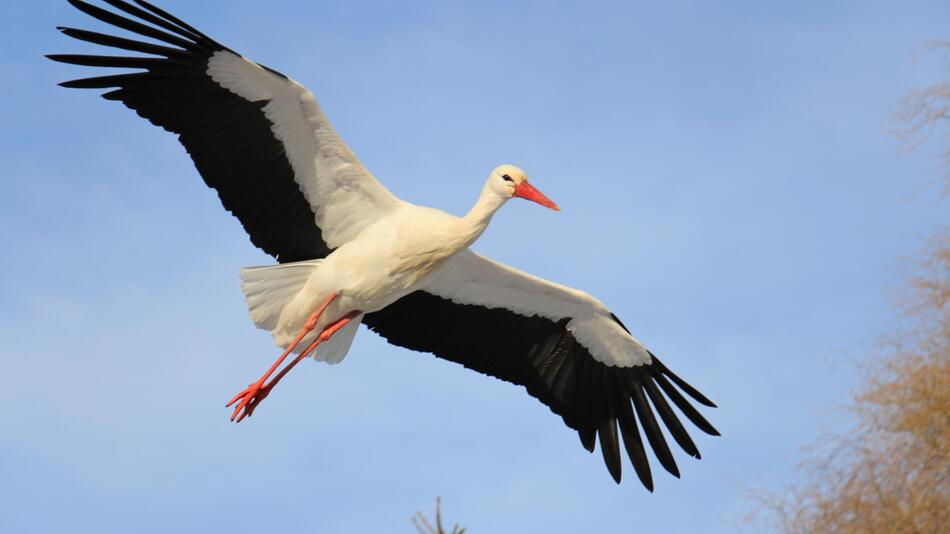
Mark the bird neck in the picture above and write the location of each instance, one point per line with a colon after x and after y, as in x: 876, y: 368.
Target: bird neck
x: 476, y: 220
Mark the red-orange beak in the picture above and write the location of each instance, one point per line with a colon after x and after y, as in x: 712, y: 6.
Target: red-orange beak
x: 530, y: 192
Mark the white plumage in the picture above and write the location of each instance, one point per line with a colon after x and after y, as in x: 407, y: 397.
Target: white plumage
x: 469, y: 278
x: 344, y: 196
x: 352, y: 252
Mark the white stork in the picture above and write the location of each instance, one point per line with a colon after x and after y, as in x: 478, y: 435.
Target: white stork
x: 350, y: 252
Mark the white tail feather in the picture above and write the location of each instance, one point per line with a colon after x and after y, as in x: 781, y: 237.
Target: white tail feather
x: 334, y: 349
x: 268, y: 289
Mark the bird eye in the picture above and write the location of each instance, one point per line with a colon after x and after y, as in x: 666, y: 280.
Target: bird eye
x: 507, y: 178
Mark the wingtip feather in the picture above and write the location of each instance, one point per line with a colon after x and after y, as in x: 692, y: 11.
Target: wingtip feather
x: 588, y: 439
x: 610, y: 447
x: 690, y: 390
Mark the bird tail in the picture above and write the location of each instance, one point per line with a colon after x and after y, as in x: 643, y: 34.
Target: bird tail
x: 269, y: 288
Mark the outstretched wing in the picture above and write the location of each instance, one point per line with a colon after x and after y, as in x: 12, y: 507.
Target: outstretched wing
x: 563, y: 345
x: 256, y: 136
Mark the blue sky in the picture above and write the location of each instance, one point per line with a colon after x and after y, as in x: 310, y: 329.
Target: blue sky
x: 728, y: 187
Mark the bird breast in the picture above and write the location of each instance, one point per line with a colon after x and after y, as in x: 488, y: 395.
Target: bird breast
x: 421, y: 251
x: 394, y: 258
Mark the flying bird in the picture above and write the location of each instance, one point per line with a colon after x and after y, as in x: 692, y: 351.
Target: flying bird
x: 350, y: 252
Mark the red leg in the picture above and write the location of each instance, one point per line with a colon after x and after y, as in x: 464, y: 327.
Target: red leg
x: 325, y: 335
x: 253, y: 389
x: 259, y: 391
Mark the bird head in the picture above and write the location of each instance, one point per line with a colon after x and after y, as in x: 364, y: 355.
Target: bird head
x: 509, y: 181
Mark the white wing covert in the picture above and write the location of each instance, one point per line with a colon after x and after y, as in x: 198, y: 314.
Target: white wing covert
x: 469, y: 278
x: 256, y: 136
x: 344, y: 196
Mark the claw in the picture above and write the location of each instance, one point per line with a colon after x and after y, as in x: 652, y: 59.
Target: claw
x: 238, y: 396
x: 250, y: 398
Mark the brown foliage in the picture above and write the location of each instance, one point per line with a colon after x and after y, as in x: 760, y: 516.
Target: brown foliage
x: 891, y: 473
x: 924, y: 115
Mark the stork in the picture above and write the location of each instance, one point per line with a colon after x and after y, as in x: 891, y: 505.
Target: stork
x: 349, y: 252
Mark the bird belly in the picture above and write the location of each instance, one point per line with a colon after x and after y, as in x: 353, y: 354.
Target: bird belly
x: 375, y: 288
x: 367, y: 274
x: 365, y: 286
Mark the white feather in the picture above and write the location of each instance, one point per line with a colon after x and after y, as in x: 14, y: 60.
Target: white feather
x: 269, y: 288
x: 334, y: 349
x: 344, y: 196
x: 469, y: 278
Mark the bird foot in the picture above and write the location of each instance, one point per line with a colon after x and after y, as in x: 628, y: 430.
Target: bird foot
x: 249, y: 399
x: 256, y: 392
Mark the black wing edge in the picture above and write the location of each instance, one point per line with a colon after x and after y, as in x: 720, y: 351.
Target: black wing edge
x: 594, y: 399
x: 229, y: 138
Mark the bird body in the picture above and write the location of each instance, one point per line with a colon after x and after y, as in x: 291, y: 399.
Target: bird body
x: 402, y: 252
x: 351, y: 252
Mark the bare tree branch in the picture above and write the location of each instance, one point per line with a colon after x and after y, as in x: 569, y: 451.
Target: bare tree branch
x: 924, y: 115
x: 890, y: 473
x: 424, y: 527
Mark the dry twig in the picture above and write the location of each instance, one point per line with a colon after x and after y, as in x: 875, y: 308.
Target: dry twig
x: 424, y: 527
